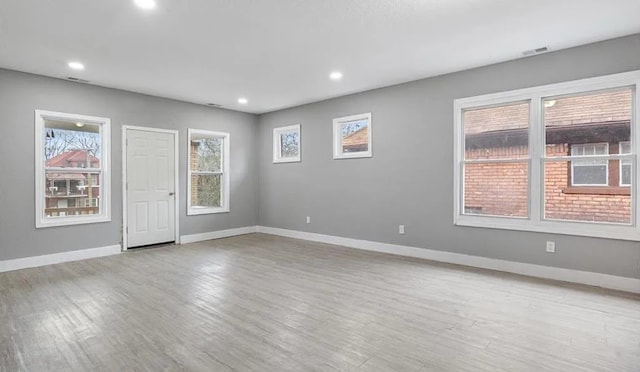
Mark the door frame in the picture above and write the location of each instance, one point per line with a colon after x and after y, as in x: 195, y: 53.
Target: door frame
x: 125, y: 211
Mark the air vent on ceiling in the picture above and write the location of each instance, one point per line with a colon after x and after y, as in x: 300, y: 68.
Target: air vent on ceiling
x: 532, y: 52
x: 213, y: 105
x: 77, y: 80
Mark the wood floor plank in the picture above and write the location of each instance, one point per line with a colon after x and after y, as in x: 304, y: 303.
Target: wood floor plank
x: 265, y: 303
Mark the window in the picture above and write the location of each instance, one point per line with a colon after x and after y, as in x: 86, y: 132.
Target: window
x: 556, y: 158
x: 496, y: 160
x: 588, y: 172
x: 625, y: 164
x: 208, y: 176
x: 286, y: 144
x: 352, y: 137
x: 72, y: 169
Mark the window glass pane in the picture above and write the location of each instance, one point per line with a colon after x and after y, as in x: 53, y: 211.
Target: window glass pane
x: 355, y: 136
x: 71, y: 194
x: 72, y: 144
x: 289, y: 142
x: 625, y: 173
x: 595, y: 204
x: 206, y: 153
x: 497, y: 132
x: 206, y: 190
x: 625, y: 148
x: 592, y: 118
x: 625, y: 164
x: 499, y: 189
x: 590, y: 174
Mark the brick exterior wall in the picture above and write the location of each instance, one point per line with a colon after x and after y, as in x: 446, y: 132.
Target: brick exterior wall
x: 586, y: 206
x: 501, y: 188
x: 497, y: 188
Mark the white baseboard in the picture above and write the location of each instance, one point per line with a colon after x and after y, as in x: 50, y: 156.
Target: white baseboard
x: 185, y: 239
x: 50, y: 259
x: 539, y: 271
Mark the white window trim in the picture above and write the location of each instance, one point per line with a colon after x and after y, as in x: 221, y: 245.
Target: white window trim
x: 587, y: 157
x: 224, y: 183
x: 277, y: 153
x: 337, y: 137
x: 536, y: 222
x: 620, y: 165
x: 40, y: 179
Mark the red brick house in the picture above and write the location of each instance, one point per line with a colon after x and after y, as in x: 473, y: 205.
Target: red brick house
x: 72, y: 193
x: 583, y: 190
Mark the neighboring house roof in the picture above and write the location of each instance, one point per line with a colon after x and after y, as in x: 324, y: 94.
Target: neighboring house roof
x: 579, y: 110
x: 72, y: 156
x: 356, y: 141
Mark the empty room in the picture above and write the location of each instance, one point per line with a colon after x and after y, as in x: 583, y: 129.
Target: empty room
x: 328, y: 185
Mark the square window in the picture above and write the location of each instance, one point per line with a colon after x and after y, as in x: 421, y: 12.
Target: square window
x: 286, y: 144
x: 352, y: 137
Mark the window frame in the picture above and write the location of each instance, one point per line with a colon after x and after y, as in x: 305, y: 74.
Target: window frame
x: 337, y: 137
x: 277, y: 153
x: 224, y: 172
x: 578, y: 158
x: 536, y: 220
x: 40, y: 170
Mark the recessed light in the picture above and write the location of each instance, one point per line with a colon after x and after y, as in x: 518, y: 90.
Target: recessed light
x: 145, y: 4
x: 335, y: 75
x: 74, y: 65
x: 79, y: 124
x: 243, y: 101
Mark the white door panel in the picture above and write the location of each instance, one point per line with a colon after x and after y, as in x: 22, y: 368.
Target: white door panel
x: 150, y: 188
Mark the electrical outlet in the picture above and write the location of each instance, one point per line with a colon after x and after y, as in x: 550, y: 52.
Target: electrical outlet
x: 551, y: 247
x: 308, y: 219
x: 401, y: 229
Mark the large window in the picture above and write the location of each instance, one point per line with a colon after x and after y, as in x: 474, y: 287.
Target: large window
x: 557, y: 158
x: 208, y: 178
x: 72, y: 169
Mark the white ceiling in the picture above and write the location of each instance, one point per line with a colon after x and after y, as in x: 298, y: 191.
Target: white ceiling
x: 279, y: 53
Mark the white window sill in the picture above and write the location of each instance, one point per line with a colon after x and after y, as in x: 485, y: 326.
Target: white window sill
x: 195, y: 211
x: 589, y: 229
x: 353, y: 155
x: 70, y: 221
x: 287, y: 160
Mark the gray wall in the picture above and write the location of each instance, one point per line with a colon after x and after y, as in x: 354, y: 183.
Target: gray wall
x: 409, y: 180
x: 21, y: 94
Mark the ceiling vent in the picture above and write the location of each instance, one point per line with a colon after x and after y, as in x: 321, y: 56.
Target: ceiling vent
x: 532, y: 52
x: 213, y: 105
x: 77, y: 80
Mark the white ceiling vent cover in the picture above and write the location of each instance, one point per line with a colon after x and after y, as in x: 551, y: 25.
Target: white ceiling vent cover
x: 532, y: 52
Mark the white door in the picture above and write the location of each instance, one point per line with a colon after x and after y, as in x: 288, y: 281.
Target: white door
x: 150, y: 187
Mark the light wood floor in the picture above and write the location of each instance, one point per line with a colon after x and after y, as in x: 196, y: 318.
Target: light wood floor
x: 265, y: 303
